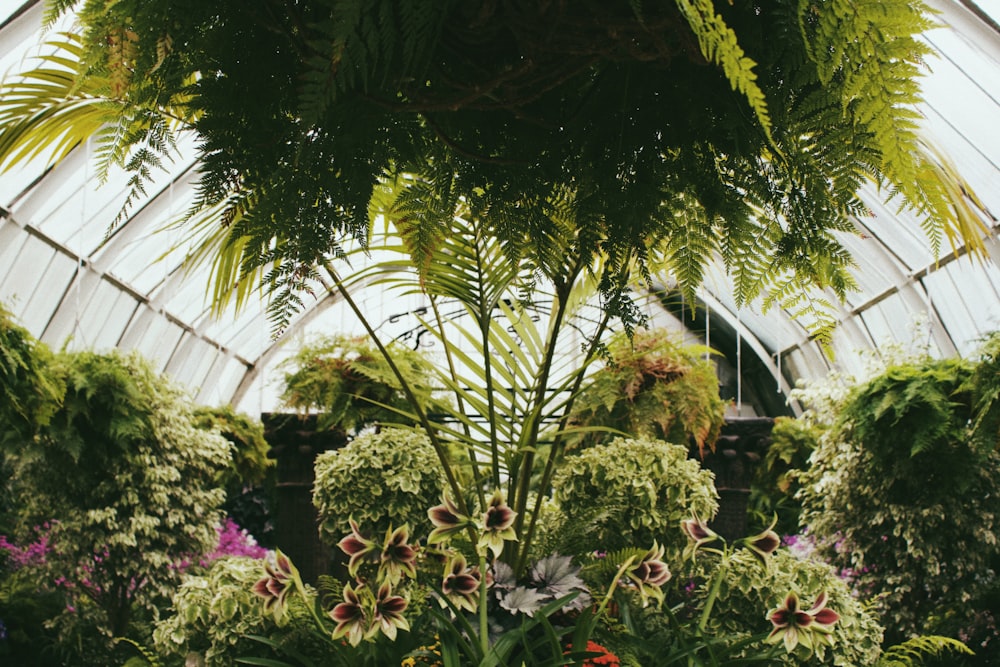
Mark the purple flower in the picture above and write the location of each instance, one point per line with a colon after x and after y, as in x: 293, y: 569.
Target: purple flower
x: 357, y: 547
x: 279, y: 578
x: 233, y: 541
x: 461, y: 584
x: 795, y: 626
x: 447, y: 520
x: 398, y: 557
x: 498, y: 525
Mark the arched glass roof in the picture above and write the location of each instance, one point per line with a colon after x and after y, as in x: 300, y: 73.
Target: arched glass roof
x: 74, y: 283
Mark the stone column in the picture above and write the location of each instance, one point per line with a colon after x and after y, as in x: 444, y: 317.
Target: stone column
x: 295, y: 443
x: 741, y: 445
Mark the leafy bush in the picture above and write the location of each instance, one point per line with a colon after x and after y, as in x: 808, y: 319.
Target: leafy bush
x: 907, y: 500
x: 653, y: 386
x: 628, y: 493
x: 129, y: 482
x: 748, y: 590
x: 211, y: 613
x: 388, y: 478
x: 29, y: 391
x: 249, y: 481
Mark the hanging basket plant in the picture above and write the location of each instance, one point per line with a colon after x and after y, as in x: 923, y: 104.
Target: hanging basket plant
x: 349, y: 384
x: 654, y: 386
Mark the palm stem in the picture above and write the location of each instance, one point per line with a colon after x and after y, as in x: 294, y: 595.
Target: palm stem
x: 473, y: 463
x: 555, y: 452
x: 439, y: 448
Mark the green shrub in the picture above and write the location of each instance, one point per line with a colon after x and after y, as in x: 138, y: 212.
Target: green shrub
x: 211, y: 613
x: 388, y: 478
x: 748, y: 590
x: 907, y: 500
x: 627, y: 493
x: 775, y: 483
x: 129, y: 483
x: 348, y: 382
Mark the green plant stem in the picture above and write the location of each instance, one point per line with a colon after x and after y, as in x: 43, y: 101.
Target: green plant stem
x: 713, y: 592
x: 483, y: 319
x: 529, y: 437
x: 484, y: 626
x: 473, y: 463
x: 555, y: 452
x: 614, y: 585
x: 425, y: 423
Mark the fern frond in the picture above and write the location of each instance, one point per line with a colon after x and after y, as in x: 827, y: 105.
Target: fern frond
x: 914, y: 652
x: 719, y: 45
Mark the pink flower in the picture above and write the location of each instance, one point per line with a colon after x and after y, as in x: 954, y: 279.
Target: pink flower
x: 461, y: 584
x: 699, y: 534
x: 498, y: 525
x: 763, y: 544
x: 389, y: 612
x: 447, y: 520
x: 397, y: 557
x: 649, y: 574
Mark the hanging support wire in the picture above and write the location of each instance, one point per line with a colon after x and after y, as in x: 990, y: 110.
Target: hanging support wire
x: 739, y: 364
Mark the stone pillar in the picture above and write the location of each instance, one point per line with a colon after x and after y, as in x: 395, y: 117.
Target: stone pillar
x: 741, y: 445
x: 295, y: 443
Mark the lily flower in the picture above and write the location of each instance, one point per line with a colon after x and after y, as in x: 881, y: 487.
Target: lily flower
x: 699, y: 534
x: 795, y: 626
x: 351, y: 618
x: 498, y: 525
x: 357, y: 547
x: 398, y: 557
x: 763, y: 544
x: 649, y: 574
x: 447, y: 520
x: 461, y: 584
x: 389, y: 612
x: 279, y: 579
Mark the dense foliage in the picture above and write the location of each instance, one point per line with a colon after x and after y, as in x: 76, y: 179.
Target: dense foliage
x: 654, y: 386
x: 627, y: 493
x: 383, y: 479
x: 748, y: 589
x: 127, y: 485
x: 210, y: 614
x: 908, y: 500
x: 29, y: 393
x: 775, y: 483
x: 690, y: 127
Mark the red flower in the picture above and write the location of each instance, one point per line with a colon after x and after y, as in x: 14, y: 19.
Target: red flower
x: 601, y: 657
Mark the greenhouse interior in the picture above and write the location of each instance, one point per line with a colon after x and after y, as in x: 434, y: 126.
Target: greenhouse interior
x: 499, y: 333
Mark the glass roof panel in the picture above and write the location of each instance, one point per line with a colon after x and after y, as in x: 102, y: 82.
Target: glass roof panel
x: 52, y: 286
x: 32, y: 256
